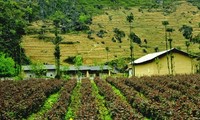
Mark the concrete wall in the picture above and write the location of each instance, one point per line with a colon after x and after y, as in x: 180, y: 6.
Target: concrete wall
x: 182, y: 65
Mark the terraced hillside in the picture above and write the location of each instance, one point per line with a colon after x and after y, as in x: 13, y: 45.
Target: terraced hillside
x: 147, y: 25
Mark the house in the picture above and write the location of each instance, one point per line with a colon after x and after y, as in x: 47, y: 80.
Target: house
x: 72, y: 71
x: 171, y: 61
x: 49, y: 71
x: 88, y: 71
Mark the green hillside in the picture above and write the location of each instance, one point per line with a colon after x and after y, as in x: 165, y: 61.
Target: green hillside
x: 147, y: 25
x: 86, y: 27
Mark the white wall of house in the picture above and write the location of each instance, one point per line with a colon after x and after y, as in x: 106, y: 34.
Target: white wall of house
x: 51, y: 74
x: 28, y: 74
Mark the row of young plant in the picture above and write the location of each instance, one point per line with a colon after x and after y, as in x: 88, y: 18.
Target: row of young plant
x: 187, y: 85
x: 20, y: 99
x: 59, y: 109
x: 137, y: 100
x: 87, y: 103
x: 119, y: 108
x: 88, y: 109
x: 158, y: 101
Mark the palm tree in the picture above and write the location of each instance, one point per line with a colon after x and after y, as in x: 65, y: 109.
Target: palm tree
x: 130, y: 19
x: 170, y: 30
x: 165, y: 23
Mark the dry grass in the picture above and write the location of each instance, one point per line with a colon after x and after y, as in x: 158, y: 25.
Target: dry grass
x: 147, y: 25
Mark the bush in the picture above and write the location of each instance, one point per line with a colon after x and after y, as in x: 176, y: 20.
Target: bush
x: 101, y: 33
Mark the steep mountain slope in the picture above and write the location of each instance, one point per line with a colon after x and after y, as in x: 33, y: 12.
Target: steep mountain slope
x: 147, y: 25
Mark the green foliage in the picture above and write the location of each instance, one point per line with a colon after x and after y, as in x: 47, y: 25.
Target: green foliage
x: 130, y: 18
x: 118, y: 92
x: 195, y: 3
x: 6, y: 66
x: 78, y: 60
x: 75, y: 103
x: 38, y: 69
x: 13, y: 22
x: 196, y: 39
x: 104, y: 112
x: 165, y: 23
x: 119, y: 34
x: 119, y: 64
x: 187, y: 31
x: 47, y: 106
x: 135, y: 38
x: 101, y: 33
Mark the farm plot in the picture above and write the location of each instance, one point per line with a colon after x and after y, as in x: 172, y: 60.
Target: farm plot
x: 20, y: 99
x: 162, y: 97
x: 157, y: 97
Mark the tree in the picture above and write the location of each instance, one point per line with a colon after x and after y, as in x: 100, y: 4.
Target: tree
x: 6, y: 66
x: 78, y: 60
x: 170, y: 30
x: 130, y: 19
x: 134, y: 38
x: 57, y: 55
x: 165, y: 23
x: 119, y: 34
x: 13, y: 23
x: 187, y: 32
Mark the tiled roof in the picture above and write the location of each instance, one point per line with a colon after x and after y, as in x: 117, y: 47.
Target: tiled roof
x: 70, y: 68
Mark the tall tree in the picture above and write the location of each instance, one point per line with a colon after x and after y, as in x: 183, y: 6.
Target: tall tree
x: 170, y: 30
x: 187, y: 32
x: 13, y: 23
x: 165, y: 23
x: 130, y: 19
x: 57, y: 55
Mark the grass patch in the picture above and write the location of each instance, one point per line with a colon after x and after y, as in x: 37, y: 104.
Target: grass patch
x: 47, y: 106
x: 117, y: 92
x: 75, y: 103
x: 104, y: 112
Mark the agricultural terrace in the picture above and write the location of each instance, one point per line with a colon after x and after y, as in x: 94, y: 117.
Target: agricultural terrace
x: 156, y: 97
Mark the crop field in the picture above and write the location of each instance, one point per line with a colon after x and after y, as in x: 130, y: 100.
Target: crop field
x: 156, y: 97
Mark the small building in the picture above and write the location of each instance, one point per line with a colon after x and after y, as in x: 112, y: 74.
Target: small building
x: 88, y: 71
x: 171, y: 61
x: 49, y: 71
x: 72, y: 71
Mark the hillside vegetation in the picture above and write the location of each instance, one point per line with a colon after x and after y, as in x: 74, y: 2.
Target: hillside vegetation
x: 147, y: 25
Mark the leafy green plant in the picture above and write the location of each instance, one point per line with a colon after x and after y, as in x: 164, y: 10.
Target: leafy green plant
x: 47, y: 106
x: 75, y: 103
x: 104, y: 112
x: 38, y: 69
x: 6, y: 66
